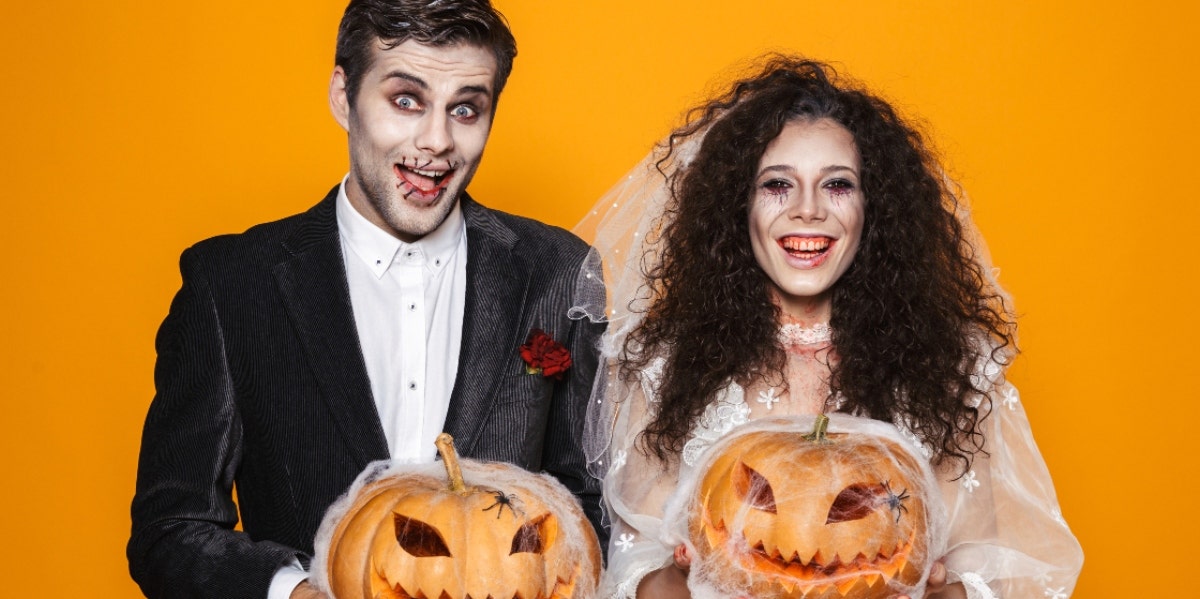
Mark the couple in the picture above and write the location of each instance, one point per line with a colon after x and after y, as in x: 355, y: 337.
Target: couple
x: 299, y: 351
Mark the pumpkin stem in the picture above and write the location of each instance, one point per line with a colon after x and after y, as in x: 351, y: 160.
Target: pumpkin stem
x: 819, y: 427
x: 445, y: 446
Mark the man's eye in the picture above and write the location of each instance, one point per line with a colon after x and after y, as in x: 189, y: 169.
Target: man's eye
x: 463, y: 111
x: 406, y: 103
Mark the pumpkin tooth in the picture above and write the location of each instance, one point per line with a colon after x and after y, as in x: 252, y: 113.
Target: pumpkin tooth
x: 889, y: 569
x: 845, y: 586
x: 816, y: 560
x: 833, y: 566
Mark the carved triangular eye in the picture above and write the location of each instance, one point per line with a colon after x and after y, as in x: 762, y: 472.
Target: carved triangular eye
x: 535, y: 536
x: 856, y: 502
x: 753, y: 488
x: 420, y: 539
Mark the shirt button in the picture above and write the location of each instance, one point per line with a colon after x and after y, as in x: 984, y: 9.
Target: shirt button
x: 412, y: 385
x: 412, y: 307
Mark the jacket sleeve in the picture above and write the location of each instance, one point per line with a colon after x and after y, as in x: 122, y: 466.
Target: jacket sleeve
x: 183, y: 542
x: 564, y: 457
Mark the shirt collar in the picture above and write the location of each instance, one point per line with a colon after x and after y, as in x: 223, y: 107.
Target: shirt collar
x: 379, y: 250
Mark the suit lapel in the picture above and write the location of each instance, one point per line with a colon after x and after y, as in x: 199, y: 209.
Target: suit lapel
x: 496, y: 283
x: 312, y: 281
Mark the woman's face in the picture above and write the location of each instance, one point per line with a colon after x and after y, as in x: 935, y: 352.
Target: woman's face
x: 806, y: 216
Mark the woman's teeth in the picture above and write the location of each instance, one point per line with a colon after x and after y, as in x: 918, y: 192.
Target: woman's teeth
x: 805, y: 244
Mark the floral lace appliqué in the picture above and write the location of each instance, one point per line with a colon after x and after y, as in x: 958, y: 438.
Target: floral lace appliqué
x: 768, y: 398
x: 719, y: 418
x: 619, y: 460
x: 1011, y: 398
x: 976, y: 587
x: 625, y: 542
x: 969, y: 482
x: 913, y: 439
x: 987, y: 373
x: 1059, y: 593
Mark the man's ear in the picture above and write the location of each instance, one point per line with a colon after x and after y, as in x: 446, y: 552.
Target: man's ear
x: 339, y: 102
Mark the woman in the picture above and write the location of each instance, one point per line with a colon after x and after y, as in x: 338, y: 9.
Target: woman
x: 796, y: 250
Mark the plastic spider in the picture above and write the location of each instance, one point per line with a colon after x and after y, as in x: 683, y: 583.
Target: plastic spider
x: 503, y: 501
x: 895, y: 501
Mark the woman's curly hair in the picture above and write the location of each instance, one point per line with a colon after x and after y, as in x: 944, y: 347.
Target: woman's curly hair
x: 913, y: 317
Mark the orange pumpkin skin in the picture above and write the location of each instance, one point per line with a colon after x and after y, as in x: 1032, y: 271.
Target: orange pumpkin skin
x: 781, y: 515
x: 411, y: 536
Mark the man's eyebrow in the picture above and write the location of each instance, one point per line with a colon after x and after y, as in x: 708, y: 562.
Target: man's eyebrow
x: 475, y: 89
x: 407, y: 77
x: 464, y: 90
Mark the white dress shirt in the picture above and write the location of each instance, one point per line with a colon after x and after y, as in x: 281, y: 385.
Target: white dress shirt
x: 408, y: 301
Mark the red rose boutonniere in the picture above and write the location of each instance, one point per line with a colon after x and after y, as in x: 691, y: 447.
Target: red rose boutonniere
x: 544, y: 355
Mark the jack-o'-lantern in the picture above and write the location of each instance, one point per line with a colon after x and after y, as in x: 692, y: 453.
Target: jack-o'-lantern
x: 813, y: 516
x: 508, y: 534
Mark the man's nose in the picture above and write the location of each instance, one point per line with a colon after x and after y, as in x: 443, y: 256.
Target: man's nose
x: 434, y: 134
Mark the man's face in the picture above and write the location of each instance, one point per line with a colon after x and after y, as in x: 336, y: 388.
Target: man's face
x: 417, y: 129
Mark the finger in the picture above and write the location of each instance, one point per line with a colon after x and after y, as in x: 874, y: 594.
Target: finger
x: 937, y: 575
x: 682, y: 558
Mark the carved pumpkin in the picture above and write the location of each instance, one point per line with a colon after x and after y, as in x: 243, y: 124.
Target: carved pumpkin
x: 780, y: 513
x: 407, y: 535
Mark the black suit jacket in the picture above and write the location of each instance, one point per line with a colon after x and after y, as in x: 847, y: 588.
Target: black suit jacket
x: 261, y: 384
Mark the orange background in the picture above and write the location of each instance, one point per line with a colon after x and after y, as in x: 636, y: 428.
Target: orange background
x: 133, y: 129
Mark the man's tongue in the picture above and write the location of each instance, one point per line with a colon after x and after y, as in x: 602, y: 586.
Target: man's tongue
x: 422, y: 183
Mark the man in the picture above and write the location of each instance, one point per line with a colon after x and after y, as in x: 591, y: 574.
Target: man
x: 301, y: 350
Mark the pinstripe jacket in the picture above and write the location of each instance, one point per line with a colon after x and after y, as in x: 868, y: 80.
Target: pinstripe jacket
x: 260, y: 384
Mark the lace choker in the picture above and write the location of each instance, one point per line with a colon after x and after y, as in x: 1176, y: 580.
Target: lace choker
x: 792, y: 334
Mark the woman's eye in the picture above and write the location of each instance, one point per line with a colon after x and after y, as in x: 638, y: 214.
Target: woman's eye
x: 776, y: 187
x: 839, y: 186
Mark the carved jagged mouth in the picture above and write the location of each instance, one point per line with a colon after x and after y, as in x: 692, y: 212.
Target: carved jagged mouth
x: 817, y: 574
x: 563, y: 589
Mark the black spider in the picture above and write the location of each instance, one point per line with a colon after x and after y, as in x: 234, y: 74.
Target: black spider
x: 894, y: 501
x: 503, y: 501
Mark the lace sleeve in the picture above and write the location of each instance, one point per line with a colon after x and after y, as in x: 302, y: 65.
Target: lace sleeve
x: 1008, y: 537
x: 636, y: 487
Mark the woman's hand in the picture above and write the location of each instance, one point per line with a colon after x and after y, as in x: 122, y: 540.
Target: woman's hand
x: 669, y: 582
x: 936, y: 586
x: 683, y: 560
x: 305, y: 590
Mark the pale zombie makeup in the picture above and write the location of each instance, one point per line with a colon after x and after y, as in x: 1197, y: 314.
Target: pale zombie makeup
x: 806, y: 216
x: 417, y: 131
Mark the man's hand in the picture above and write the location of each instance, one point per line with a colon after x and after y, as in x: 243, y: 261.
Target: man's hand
x: 305, y: 590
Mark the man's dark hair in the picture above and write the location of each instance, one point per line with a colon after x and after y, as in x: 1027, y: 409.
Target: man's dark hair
x: 430, y: 22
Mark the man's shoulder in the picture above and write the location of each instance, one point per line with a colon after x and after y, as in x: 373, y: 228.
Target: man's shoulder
x: 267, y: 242
x: 528, y: 235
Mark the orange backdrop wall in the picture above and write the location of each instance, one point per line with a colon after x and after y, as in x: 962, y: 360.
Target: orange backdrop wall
x: 133, y: 129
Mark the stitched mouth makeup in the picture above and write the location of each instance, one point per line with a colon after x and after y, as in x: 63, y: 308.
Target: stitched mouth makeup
x: 423, y: 183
